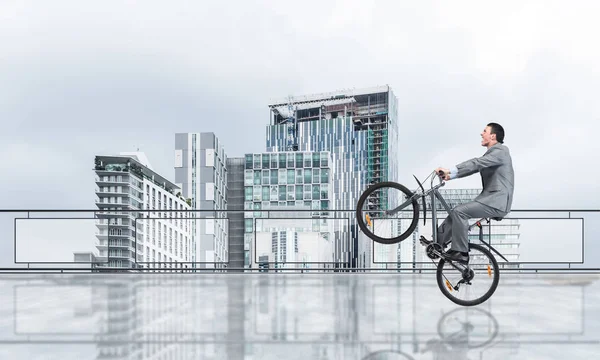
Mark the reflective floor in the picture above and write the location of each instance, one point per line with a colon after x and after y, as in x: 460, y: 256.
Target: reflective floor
x: 294, y: 316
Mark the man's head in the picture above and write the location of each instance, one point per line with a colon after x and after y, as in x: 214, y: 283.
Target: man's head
x: 492, y: 134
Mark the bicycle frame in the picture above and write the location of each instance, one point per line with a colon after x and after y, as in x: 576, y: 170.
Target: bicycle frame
x: 435, y: 194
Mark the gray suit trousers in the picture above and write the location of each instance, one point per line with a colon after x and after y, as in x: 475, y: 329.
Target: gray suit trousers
x: 455, y: 227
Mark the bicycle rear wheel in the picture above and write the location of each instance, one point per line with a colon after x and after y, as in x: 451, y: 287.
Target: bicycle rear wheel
x: 473, y: 286
x: 371, y: 217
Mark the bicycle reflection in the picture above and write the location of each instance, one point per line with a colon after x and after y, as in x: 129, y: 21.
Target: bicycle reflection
x: 459, y: 330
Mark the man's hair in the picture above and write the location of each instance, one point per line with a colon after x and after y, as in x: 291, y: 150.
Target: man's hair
x: 498, y: 130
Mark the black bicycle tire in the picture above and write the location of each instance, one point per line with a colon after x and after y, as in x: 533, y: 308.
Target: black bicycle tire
x: 487, y: 295
x: 367, y: 231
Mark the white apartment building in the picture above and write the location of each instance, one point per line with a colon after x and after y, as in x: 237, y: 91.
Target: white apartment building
x: 201, y: 173
x: 298, y: 242
x: 128, y: 237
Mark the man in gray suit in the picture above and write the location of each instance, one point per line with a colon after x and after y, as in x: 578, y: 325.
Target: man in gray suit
x: 495, y: 201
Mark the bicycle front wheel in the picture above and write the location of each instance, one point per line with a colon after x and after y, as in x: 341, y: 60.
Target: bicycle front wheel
x: 473, y: 286
x: 371, y: 213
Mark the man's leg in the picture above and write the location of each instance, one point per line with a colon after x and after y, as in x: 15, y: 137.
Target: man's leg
x: 460, y: 216
x: 444, y: 231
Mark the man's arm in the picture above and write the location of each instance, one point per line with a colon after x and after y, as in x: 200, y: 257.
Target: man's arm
x: 492, y: 157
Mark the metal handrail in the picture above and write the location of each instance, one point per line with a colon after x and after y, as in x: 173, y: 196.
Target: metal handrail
x: 389, y: 267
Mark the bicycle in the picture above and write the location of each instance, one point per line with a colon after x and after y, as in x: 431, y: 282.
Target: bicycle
x: 374, y: 203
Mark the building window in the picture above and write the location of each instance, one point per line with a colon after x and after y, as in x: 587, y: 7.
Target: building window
x: 307, y: 176
x: 316, y: 193
x: 299, y: 160
x: 282, y: 161
x: 325, y: 176
x: 299, y: 192
x: 282, y: 178
x: 296, y: 242
x: 257, y: 177
x: 248, y: 177
x: 257, y: 193
x: 307, y: 192
x: 307, y: 160
x: 265, y: 177
x: 274, y: 193
x: 324, y: 159
x: 324, y: 191
x: 273, y: 161
x: 316, y: 176
x: 256, y: 161
x: 282, y: 192
x: 248, y: 225
x: 316, y: 161
x: 274, y: 177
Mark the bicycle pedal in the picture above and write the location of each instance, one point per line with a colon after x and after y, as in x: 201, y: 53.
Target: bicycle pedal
x: 424, y: 241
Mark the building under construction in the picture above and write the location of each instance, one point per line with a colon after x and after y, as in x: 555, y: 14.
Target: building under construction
x: 358, y: 126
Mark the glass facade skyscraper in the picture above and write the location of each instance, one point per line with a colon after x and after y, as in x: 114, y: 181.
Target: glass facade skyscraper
x: 360, y: 129
x: 287, y: 181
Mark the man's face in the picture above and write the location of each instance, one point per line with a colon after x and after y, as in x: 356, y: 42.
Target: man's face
x: 487, y: 137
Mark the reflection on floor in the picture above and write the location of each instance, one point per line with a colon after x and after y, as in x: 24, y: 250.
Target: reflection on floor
x: 293, y: 316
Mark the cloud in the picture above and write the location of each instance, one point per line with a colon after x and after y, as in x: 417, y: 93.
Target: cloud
x: 44, y: 177
x: 80, y: 79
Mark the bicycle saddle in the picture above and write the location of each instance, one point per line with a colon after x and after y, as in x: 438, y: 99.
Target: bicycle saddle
x: 497, y: 218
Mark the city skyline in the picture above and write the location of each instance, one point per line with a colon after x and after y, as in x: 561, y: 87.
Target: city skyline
x: 221, y: 158
x: 274, y: 161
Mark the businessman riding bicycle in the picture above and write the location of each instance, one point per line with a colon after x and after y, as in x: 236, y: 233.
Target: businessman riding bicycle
x: 495, y: 201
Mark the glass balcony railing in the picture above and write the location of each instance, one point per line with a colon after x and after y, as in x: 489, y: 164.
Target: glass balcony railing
x: 322, y: 232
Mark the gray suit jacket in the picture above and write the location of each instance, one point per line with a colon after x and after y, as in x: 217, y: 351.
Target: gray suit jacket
x: 497, y: 176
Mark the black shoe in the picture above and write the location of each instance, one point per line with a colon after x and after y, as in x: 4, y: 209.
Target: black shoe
x: 458, y: 256
x: 424, y: 241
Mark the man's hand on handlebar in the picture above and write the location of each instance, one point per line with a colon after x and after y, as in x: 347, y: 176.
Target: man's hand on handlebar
x: 443, y: 173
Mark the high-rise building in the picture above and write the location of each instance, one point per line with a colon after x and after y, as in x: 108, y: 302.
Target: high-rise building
x: 360, y: 129
x: 235, y: 214
x: 287, y: 193
x: 201, y: 172
x: 296, y: 243
x: 128, y: 237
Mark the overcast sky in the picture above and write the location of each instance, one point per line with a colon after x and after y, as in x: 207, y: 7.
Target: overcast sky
x: 82, y: 78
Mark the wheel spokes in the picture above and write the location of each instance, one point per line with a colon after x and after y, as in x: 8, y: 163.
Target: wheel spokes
x: 471, y: 284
